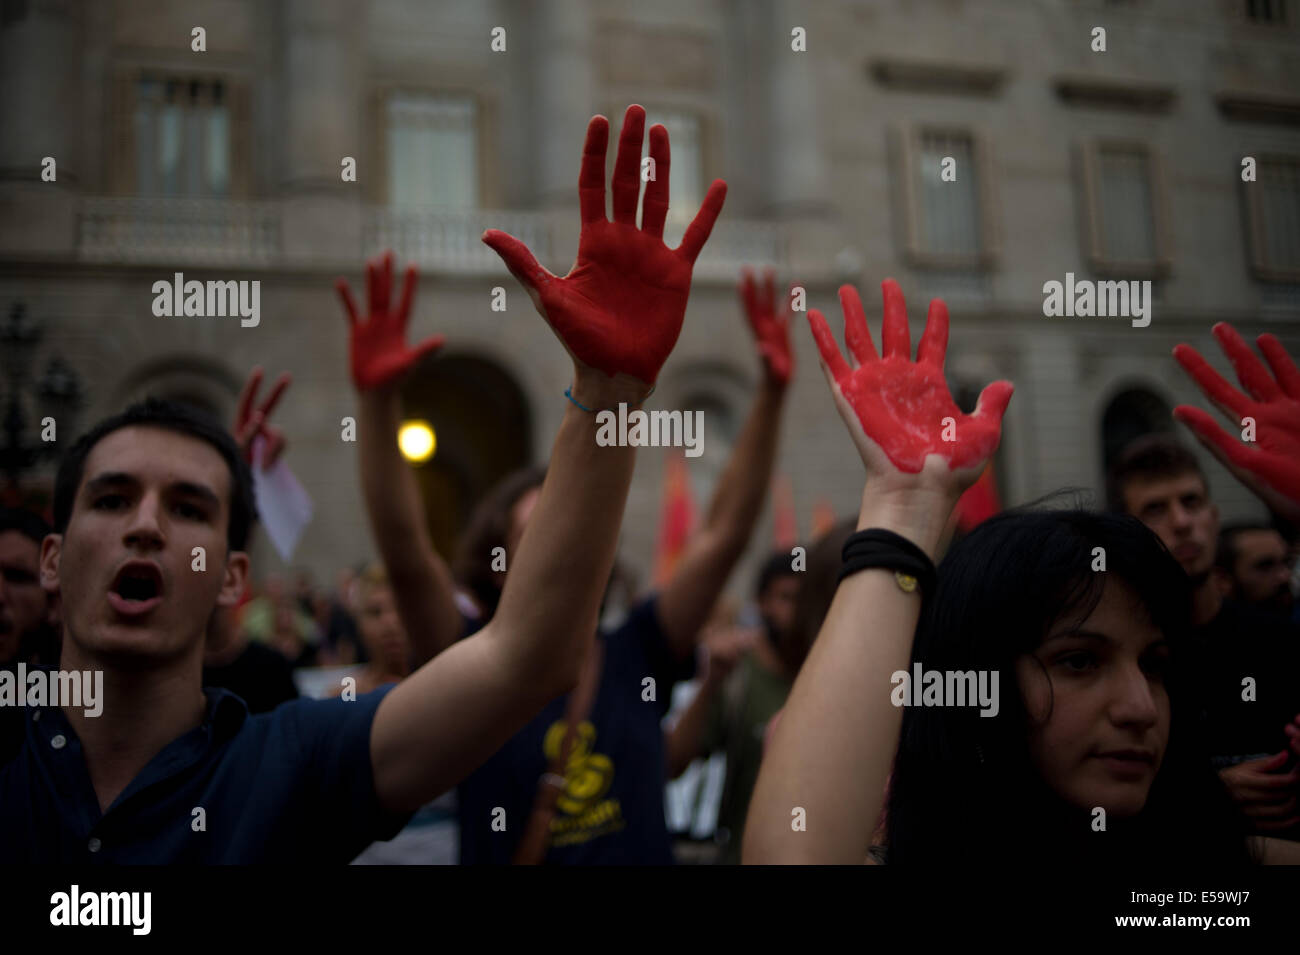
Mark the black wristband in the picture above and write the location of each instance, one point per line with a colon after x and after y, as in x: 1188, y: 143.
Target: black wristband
x: 881, y: 548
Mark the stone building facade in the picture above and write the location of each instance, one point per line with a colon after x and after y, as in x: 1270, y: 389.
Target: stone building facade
x: 1122, y: 164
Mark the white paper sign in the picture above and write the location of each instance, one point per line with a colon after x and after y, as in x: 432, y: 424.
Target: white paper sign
x: 283, y: 504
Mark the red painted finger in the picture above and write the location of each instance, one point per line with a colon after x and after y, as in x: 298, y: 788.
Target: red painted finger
x: 1227, y: 448
x: 830, y: 351
x: 591, y: 178
x: 1284, y: 369
x: 1250, y: 370
x: 895, y: 339
x: 654, y: 209
x: 517, y: 257
x: 1228, y: 399
x: 697, y: 233
x: 383, y: 286
x: 372, y: 287
x: 408, y: 293
x: 934, y: 340
x: 769, y: 289
x: 749, y: 295
x: 428, y: 346
x: 275, y: 445
x: 244, y: 436
x: 244, y: 407
x: 277, y: 390
x: 349, y: 306
x: 626, y: 184
x: 993, y: 401
x: 856, y: 334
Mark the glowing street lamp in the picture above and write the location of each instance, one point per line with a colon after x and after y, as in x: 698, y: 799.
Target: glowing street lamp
x: 417, y: 441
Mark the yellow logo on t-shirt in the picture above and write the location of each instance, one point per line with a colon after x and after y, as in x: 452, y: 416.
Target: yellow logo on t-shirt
x: 581, y: 814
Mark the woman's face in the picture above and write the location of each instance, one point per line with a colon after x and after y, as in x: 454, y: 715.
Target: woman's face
x: 381, y: 627
x: 1108, y: 727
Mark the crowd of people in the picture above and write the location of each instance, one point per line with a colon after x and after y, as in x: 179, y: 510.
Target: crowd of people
x: 511, y: 697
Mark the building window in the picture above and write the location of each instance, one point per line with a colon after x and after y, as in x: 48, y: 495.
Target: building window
x: 947, y: 202
x: 182, y: 137
x: 1123, y: 187
x: 1266, y: 11
x: 686, y: 168
x: 949, y: 210
x: 1273, y: 213
x: 432, y: 145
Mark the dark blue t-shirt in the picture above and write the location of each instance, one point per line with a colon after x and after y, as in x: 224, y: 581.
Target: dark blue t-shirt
x: 612, y: 809
x: 291, y: 786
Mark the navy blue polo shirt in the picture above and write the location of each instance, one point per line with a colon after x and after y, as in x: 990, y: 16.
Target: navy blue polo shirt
x: 294, y: 785
x: 612, y: 808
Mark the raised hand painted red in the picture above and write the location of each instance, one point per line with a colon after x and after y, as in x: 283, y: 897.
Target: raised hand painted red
x: 1271, y: 464
x: 901, y: 404
x: 770, y: 324
x: 250, y: 421
x: 377, y: 346
x: 620, y: 308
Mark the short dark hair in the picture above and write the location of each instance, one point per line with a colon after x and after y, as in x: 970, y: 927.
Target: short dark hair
x: 1225, y: 558
x: 29, y: 524
x: 169, y: 416
x: 488, y: 528
x: 777, y: 565
x: 1150, y: 456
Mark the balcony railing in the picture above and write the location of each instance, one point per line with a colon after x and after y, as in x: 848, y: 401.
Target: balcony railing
x: 451, y: 239
x: 221, y: 232
x: 188, y: 231
x: 737, y: 243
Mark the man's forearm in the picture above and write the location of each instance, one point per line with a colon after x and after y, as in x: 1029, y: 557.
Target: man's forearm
x: 551, y: 600
x: 423, y: 587
x: 740, y: 493
x: 712, y: 551
x: 458, y: 709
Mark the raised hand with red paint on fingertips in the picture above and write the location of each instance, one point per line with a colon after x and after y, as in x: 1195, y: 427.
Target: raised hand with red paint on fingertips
x: 620, y: 308
x: 377, y: 346
x: 1271, y: 465
x: 250, y: 421
x: 770, y: 324
x: 895, y: 408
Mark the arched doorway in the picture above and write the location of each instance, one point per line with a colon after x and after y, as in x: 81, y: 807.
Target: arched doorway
x: 483, y: 427
x: 1129, y: 415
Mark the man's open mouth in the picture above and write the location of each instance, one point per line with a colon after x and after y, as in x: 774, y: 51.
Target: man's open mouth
x: 137, y: 588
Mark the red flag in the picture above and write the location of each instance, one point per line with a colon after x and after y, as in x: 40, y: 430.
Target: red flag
x: 823, y: 518
x: 785, y: 526
x: 979, y: 502
x: 676, y: 517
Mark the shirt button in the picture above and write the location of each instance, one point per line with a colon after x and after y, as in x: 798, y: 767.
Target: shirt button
x: 94, y: 844
x: 59, y: 741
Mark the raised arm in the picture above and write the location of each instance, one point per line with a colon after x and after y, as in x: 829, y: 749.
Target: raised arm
x: 830, y: 755
x: 618, y: 312
x: 1270, y: 465
x: 423, y: 587
x: 712, y: 551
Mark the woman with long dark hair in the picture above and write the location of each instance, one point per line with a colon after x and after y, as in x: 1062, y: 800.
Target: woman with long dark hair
x: 1093, y: 754
x: 1042, y: 708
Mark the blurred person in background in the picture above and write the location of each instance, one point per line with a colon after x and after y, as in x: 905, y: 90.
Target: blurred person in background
x: 1253, y: 559
x: 744, y: 682
x: 28, y: 630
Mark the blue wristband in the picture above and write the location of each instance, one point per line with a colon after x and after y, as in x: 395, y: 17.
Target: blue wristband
x: 568, y: 393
